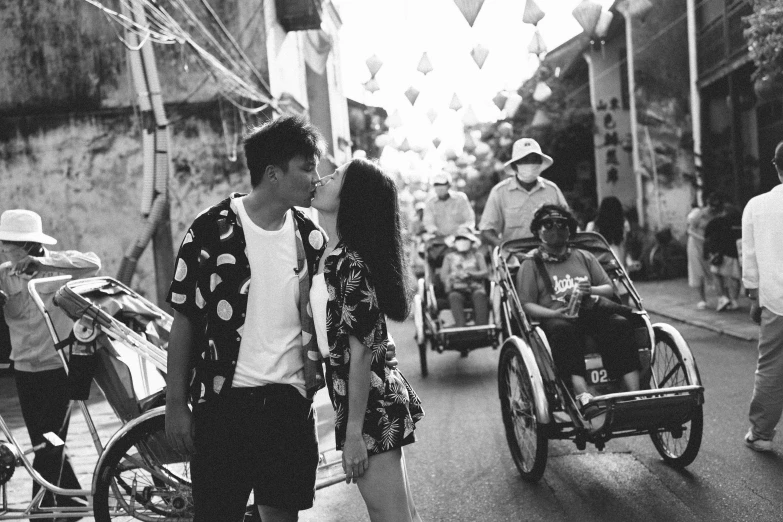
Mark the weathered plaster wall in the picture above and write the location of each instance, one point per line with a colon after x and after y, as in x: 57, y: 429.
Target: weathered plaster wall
x: 84, y: 177
x: 65, y: 56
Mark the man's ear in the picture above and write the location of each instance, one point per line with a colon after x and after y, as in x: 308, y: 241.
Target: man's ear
x: 272, y: 172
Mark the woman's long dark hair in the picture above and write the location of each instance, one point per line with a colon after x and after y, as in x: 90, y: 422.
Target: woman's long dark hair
x: 368, y: 221
x: 610, y: 221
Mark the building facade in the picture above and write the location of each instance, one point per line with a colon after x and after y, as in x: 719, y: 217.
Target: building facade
x: 70, y: 126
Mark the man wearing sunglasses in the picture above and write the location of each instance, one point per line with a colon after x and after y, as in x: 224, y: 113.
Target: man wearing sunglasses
x: 512, y: 202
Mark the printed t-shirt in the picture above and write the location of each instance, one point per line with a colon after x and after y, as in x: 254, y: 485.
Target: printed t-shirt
x: 580, y: 266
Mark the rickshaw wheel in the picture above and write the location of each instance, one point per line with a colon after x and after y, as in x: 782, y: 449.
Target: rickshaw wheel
x: 152, y: 480
x: 678, y: 447
x: 526, y: 439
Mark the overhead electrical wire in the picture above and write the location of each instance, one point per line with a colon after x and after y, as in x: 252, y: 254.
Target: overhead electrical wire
x: 237, y: 79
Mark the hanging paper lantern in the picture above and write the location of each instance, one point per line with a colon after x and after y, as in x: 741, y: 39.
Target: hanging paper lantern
x: 374, y: 64
x: 479, y: 54
x: 372, y: 85
x: 469, y: 9
x: 455, y: 104
x: 395, y: 120
x: 412, y: 93
x: 587, y: 13
x: 432, y: 114
x: 470, y: 144
x: 425, y: 65
x: 469, y: 119
x: 404, y: 146
x: 636, y: 7
x: 542, y: 92
x: 500, y: 100
x: 602, y: 27
x: 512, y: 104
x: 537, y: 45
x: 533, y: 14
x: 540, y: 119
x: 436, y: 141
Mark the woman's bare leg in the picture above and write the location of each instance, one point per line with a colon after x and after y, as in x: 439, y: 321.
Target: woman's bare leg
x: 384, y: 488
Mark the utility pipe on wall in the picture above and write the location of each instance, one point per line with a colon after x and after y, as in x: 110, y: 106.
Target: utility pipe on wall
x: 693, y: 64
x: 637, y: 167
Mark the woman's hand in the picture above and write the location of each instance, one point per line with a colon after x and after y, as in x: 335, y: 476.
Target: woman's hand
x: 355, y: 459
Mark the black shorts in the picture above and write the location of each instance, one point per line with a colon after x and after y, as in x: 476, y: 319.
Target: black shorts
x: 261, y: 439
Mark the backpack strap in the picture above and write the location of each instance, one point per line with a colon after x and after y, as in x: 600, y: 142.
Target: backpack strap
x: 539, y: 261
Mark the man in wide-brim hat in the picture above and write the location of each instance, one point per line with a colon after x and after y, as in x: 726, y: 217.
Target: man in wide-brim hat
x: 40, y: 378
x: 512, y: 202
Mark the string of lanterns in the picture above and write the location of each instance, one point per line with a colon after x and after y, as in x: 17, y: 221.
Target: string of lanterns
x: 594, y: 20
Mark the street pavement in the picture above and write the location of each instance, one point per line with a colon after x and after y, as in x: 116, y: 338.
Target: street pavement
x: 461, y: 469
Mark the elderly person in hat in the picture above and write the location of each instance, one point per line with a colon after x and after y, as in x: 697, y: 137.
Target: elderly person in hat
x: 448, y: 210
x: 40, y: 377
x: 512, y: 202
x: 545, y: 283
x: 464, y: 276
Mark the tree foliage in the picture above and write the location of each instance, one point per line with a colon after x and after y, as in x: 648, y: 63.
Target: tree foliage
x: 765, y: 39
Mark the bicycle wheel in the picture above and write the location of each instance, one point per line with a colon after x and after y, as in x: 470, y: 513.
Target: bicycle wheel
x: 680, y: 445
x: 143, y: 478
x: 525, y: 437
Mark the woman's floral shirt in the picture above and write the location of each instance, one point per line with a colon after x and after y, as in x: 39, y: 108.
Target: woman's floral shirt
x: 393, y: 407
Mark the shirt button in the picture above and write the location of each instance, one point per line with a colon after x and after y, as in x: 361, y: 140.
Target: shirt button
x: 233, y: 363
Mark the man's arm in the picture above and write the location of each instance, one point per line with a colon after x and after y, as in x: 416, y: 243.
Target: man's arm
x: 468, y: 215
x: 428, y: 219
x: 491, y: 220
x: 70, y: 262
x: 179, y: 420
x: 490, y: 236
x: 750, y: 267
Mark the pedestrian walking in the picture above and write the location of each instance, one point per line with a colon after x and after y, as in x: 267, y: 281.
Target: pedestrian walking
x: 611, y: 223
x: 41, y: 381
x: 699, y: 274
x: 512, y: 202
x: 762, y: 252
x: 240, y: 296
x: 720, y: 249
x: 362, y: 280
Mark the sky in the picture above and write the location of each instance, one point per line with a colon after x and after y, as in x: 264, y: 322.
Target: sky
x: 399, y: 31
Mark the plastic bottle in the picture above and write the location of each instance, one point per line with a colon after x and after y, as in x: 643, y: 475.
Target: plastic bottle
x: 575, y: 302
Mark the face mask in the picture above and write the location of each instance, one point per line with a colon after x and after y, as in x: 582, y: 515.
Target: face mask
x: 462, y: 245
x: 528, y: 173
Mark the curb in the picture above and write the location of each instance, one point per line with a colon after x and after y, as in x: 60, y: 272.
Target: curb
x: 706, y: 326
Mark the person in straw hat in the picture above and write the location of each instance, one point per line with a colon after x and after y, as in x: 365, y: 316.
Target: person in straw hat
x: 40, y: 377
x: 511, y: 204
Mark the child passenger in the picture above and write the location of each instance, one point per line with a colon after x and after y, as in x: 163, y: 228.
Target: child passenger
x: 464, y: 276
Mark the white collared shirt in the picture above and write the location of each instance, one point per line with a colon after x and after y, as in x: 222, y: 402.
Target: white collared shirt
x: 762, y: 248
x: 510, y: 208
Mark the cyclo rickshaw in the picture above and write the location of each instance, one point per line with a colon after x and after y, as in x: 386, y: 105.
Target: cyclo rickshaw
x: 538, y: 404
x: 435, y: 333
x: 119, y: 340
